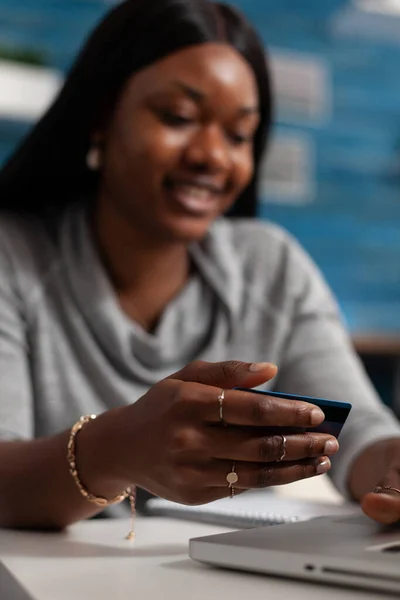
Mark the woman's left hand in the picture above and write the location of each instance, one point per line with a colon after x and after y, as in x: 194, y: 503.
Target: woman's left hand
x: 383, y: 504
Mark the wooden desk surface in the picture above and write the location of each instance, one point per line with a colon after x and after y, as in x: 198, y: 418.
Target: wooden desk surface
x: 377, y: 344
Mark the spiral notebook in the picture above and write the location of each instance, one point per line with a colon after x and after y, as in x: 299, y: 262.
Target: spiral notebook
x: 251, y: 509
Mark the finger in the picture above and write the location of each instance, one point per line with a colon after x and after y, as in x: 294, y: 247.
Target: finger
x: 384, y: 504
x: 261, y: 410
x: 201, y: 401
x: 236, y: 444
x: 227, y: 375
x: 261, y: 475
x: 245, y: 408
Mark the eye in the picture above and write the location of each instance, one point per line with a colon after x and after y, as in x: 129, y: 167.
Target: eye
x: 239, y: 139
x: 174, y: 119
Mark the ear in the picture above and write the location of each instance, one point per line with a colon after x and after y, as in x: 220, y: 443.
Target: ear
x: 94, y: 156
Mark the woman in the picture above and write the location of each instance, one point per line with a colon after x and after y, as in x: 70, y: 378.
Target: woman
x: 116, y: 271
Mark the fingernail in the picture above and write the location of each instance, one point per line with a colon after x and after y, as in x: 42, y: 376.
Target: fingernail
x: 316, y: 416
x: 254, y: 367
x: 323, y: 465
x: 331, y: 446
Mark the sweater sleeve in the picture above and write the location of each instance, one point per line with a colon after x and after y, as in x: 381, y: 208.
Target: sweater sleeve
x: 319, y: 360
x: 16, y: 413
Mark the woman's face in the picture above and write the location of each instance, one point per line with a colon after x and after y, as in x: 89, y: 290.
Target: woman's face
x: 178, y: 149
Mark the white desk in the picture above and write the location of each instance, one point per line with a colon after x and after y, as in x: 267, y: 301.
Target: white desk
x: 92, y: 561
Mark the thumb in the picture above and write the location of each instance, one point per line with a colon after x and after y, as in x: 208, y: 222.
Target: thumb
x: 227, y: 375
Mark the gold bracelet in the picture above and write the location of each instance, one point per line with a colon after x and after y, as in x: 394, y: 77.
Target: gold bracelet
x: 130, y: 492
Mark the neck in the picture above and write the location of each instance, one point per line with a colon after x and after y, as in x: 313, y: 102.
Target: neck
x: 133, y: 258
x: 146, y: 272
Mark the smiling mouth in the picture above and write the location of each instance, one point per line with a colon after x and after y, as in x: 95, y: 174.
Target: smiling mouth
x: 196, y: 199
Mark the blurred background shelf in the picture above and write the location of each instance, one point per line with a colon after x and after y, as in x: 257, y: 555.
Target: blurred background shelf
x: 376, y: 344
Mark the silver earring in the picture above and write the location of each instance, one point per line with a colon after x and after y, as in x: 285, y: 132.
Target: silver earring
x: 93, y: 158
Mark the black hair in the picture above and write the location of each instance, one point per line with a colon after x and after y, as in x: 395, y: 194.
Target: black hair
x: 48, y: 170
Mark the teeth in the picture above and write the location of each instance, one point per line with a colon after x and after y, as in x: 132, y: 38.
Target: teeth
x: 197, y: 199
x: 193, y: 191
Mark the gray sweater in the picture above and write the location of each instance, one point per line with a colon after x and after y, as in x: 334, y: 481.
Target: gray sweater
x: 67, y: 349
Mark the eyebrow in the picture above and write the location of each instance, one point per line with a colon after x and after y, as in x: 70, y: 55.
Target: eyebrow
x: 198, y: 96
x: 190, y: 91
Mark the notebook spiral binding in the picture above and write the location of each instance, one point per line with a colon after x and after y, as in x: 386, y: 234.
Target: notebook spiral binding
x: 218, y: 516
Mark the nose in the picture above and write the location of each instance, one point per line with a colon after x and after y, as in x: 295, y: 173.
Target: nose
x: 208, y: 150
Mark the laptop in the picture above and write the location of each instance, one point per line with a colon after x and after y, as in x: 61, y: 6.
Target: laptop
x: 343, y: 550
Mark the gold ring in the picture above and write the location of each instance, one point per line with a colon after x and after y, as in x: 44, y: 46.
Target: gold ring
x: 221, y: 399
x: 232, y: 478
x: 385, y: 488
x: 283, y: 454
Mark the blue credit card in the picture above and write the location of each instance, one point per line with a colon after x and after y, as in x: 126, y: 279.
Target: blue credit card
x: 335, y: 412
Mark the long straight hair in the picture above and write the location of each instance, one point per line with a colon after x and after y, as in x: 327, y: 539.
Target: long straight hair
x: 48, y: 171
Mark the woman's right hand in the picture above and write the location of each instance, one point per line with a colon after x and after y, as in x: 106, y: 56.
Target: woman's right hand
x: 172, y: 441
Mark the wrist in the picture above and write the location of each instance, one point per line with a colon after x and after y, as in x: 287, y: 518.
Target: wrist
x: 96, y: 465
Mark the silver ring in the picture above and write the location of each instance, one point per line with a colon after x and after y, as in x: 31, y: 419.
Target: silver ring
x: 385, y: 488
x: 284, y: 441
x: 232, y: 478
x: 221, y: 399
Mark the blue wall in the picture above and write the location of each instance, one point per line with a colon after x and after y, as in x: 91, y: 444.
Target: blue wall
x: 352, y: 224
x: 351, y: 221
